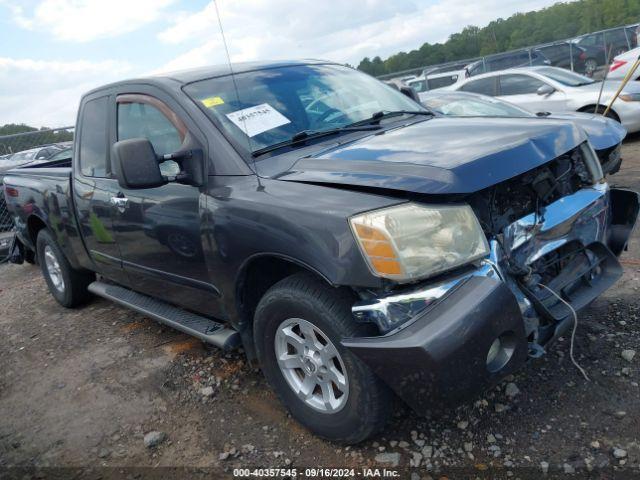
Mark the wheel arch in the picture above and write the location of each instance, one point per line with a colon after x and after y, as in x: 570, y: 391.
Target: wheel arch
x: 256, y: 275
x: 34, y: 225
x: 592, y: 107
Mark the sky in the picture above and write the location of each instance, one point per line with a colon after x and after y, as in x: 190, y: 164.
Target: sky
x: 52, y: 51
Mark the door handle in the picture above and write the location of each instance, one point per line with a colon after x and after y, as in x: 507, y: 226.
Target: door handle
x: 120, y: 203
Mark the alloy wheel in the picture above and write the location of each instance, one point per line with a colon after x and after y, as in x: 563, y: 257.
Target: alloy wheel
x: 53, y: 269
x: 311, y: 365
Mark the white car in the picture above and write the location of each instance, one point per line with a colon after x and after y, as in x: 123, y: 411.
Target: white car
x: 622, y: 63
x: 436, y: 81
x: 556, y: 90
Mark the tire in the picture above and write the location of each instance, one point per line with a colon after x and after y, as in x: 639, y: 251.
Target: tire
x: 67, y: 285
x: 601, y: 109
x: 590, y: 66
x: 364, y: 406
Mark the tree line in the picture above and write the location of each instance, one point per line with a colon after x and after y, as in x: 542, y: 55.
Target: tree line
x: 560, y: 21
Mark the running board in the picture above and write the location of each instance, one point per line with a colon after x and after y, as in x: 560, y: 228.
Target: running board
x: 203, y: 328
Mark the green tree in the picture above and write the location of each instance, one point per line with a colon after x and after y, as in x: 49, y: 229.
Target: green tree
x: 558, y: 22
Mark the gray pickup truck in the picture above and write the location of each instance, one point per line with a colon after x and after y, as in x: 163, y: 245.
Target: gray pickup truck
x: 358, y: 245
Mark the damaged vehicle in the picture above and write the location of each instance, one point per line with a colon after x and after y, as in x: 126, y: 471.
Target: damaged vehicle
x: 605, y: 134
x: 357, y: 245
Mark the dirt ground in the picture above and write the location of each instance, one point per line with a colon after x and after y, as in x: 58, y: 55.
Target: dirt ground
x: 80, y: 389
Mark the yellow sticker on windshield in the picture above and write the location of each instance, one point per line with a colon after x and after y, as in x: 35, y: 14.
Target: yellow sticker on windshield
x: 212, y: 102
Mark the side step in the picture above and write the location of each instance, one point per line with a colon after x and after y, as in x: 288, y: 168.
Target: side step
x: 201, y: 327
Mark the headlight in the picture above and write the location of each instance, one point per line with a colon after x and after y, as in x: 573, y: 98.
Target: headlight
x: 412, y: 241
x: 629, y: 97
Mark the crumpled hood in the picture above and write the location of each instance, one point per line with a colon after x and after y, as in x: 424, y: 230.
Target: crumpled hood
x: 441, y: 156
x: 603, y: 132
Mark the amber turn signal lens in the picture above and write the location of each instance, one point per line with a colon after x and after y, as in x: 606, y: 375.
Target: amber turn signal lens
x: 379, y: 250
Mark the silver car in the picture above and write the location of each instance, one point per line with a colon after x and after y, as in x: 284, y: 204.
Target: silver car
x: 556, y: 90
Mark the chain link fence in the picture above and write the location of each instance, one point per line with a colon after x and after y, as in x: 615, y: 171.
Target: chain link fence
x: 588, y: 54
x: 26, y: 149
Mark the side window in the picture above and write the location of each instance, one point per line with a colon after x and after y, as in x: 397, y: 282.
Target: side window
x: 518, y: 84
x: 143, y: 120
x: 441, y: 82
x: 93, y: 138
x: 485, y: 86
x: 419, y: 86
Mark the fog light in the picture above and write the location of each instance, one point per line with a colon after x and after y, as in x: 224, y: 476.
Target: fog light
x: 500, y: 352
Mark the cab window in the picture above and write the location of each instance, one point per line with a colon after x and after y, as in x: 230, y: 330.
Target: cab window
x: 143, y: 120
x: 93, y: 138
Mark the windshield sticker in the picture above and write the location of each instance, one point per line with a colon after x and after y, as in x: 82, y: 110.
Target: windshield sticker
x: 256, y: 120
x: 212, y: 102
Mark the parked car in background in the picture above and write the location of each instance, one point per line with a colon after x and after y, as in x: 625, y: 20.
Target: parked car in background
x: 605, y: 134
x: 622, y: 64
x: 604, y: 45
x: 408, y: 78
x: 564, y: 55
x: 65, y: 154
x: 357, y: 245
x: 448, y: 67
x: 556, y: 90
x: 437, y: 80
x: 38, y: 154
x: 502, y: 61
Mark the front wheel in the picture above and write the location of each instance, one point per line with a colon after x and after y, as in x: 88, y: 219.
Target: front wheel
x: 298, y: 326
x: 67, y: 285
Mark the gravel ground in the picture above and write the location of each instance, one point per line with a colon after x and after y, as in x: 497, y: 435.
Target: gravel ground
x: 104, y: 387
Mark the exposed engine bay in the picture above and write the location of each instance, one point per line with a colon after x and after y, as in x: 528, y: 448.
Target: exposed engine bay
x: 538, y: 255
x: 504, y: 203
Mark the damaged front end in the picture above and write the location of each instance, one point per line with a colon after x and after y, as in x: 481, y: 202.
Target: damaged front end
x: 558, y: 227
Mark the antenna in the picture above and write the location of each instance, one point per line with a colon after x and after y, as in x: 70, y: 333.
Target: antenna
x: 235, y: 86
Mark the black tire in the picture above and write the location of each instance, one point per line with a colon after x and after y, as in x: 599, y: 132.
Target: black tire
x: 600, y: 111
x: 368, y: 403
x: 74, y: 289
x: 590, y: 66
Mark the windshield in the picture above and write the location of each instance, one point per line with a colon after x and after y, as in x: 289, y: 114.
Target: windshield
x: 564, y: 77
x: 469, y: 105
x: 272, y: 105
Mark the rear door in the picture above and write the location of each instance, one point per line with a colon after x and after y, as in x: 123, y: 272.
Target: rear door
x: 159, y: 230
x: 484, y: 86
x: 93, y: 189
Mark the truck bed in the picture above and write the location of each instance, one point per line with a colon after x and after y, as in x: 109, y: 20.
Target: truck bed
x: 42, y: 195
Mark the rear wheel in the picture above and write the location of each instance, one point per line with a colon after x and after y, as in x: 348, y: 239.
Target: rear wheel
x: 298, y: 327
x: 590, y: 66
x: 67, y: 285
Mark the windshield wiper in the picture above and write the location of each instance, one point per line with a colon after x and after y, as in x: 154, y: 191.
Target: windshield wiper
x: 305, y: 135
x: 376, y: 117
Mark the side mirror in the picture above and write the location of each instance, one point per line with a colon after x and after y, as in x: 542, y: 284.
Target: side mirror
x: 136, y: 164
x: 545, y: 90
x: 410, y: 92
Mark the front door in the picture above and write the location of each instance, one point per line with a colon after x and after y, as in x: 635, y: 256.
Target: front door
x: 159, y: 230
x: 93, y: 190
x: 522, y: 90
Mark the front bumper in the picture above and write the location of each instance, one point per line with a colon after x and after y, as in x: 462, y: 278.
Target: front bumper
x: 442, y: 351
x: 442, y: 355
